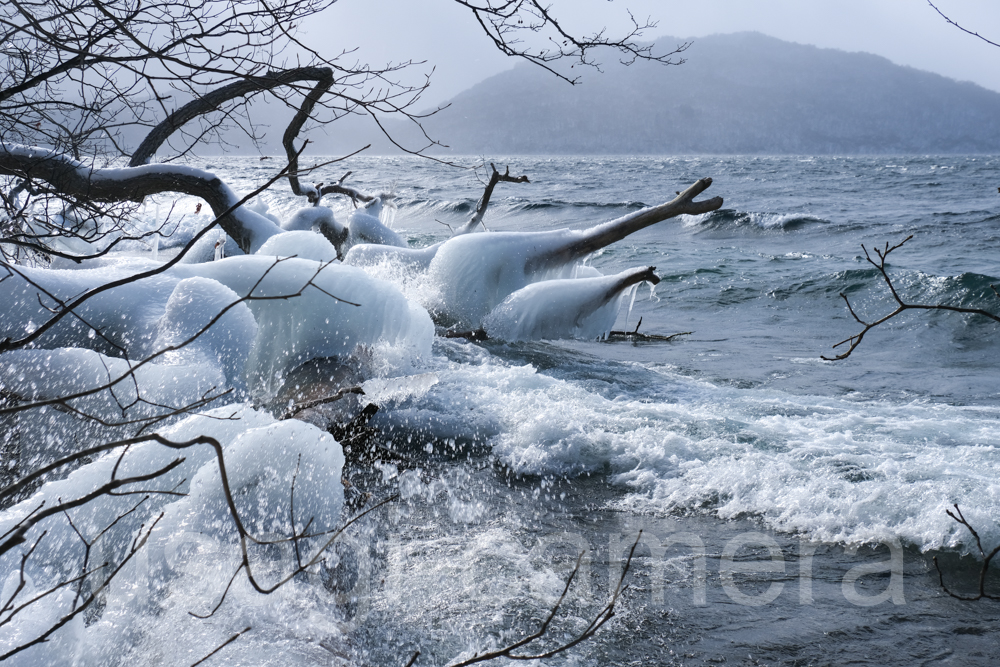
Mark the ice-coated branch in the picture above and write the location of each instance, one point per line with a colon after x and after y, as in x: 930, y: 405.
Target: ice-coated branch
x: 605, y: 234
x: 70, y: 178
x: 901, y: 306
x: 484, y: 201
x: 633, y: 277
x: 76, y: 302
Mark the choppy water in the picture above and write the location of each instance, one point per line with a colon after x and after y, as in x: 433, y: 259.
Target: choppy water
x: 529, y: 453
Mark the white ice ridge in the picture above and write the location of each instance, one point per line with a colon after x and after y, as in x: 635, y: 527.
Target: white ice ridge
x: 407, y: 259
x: 474, y: 273
x: 303, y: 244
x: 144, y: 316
x: 309, y: 218
x: 366, y: 227
x: 564, y: 308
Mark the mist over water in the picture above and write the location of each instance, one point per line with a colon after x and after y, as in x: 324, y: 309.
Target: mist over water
x: 527, y: 453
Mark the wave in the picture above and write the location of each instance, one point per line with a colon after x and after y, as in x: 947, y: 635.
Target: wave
x: 558, y: 204
x: 966, y: 290
x: 729, y: 219
x: 435, y: 206
x: 837, y: 470
x: 951, y: 214
x: 424, y: 206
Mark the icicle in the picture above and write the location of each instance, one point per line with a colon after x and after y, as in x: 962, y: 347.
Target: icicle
x: 632, y: 294
x: 156, y: 247
x: 220, y: 247
x: 388, y: 214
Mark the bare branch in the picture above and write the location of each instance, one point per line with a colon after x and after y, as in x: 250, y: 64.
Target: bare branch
x: 965, y: 30
x: 484, y: 201
x: 602, y: 617
x: 222, y: 645
x: 984, y: 569
x: 901, y: 306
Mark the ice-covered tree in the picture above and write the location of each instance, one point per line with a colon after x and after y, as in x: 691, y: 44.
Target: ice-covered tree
x: 132, y: 393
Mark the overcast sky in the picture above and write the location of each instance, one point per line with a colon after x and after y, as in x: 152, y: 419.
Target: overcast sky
x: 907, y: 32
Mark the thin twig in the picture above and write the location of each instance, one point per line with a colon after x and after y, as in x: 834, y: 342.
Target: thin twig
x: 222, y: 646
x: 602, y: 617
x: 960, y: 518
x: 902, y: 306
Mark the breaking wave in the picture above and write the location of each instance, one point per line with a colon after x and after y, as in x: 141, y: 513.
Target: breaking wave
x: 731, y: 219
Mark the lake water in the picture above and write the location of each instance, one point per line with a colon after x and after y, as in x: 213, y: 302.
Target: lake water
x: 734, y: 446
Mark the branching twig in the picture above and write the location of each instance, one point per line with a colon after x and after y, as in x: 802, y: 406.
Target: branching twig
x: 882, y: 254
x: 635, y: 335
x: 138, y: 543
x: 960, y: 518
x: 484, y: 201
x: 222, y: 646
x: 602, y: 617
x: 299, y: 407
x: 965, y: 30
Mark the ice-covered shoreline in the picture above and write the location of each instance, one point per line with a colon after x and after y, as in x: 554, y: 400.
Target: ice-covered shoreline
x: 738, y: 428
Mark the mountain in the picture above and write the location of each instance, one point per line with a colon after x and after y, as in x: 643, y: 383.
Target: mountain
x: 738, y: 93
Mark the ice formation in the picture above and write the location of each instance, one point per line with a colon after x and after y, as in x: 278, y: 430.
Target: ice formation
x: 47, y: 374
x: 260, y: 207
x: 193, y: 304
x: 320, y: 322
x: 194, y: 542
x: 372, y: 254
x: 303, y: 244
x: 310, y: 218
x: 366, y: 227
x: 563, y: 308
x: 476, y: 272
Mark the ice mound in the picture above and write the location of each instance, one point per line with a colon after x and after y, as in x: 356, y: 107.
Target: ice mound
x: 260, y: 207
x: 323, y: 321
x: 193, y: 549
x: 366, y: 228
x: 295, y: 321
x: 304, y: 244
x: 309, y: 218
x: 568, y: 308
x: 476, y: 272
x: 193, y: 304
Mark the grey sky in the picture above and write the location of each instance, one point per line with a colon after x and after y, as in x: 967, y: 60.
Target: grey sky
x: 907, y: 32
